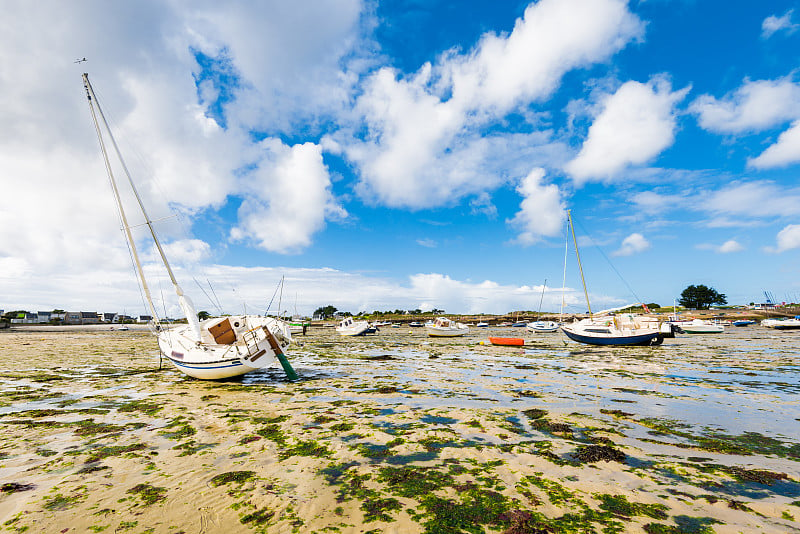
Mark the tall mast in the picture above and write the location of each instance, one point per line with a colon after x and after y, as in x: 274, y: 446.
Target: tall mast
x: 183, y: 300
x: 125, y: 226
x: 541, y: 298
x: 578, y: 254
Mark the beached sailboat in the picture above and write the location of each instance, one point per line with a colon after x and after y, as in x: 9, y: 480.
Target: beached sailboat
x: 444, y: 327
x: 214, y: 348
x: 539, y: 326
x: 606, y: 328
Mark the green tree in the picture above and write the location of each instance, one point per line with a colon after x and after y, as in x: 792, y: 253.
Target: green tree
x: 700, y: 297
x: 325, y: 311
x: 203, y: 315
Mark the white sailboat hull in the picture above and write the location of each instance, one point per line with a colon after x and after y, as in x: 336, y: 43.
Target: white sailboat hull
x: 250, y: 343
x: 443, y: 327
x: 542, y: 326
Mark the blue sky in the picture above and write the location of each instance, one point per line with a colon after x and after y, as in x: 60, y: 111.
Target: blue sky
x: 405, y: 154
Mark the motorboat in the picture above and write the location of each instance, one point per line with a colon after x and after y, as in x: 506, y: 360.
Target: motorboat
x: 782, y: 323
x: 444, y: 327
x: 351, y: 327
x: 702, y: 326
x: 788, y: 324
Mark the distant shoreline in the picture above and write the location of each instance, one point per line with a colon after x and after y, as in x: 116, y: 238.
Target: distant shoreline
x: 75, y: 328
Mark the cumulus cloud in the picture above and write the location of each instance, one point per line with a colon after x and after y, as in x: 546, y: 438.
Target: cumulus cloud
x: 754, y: 106
x: 654, y: 202
x: 541, y: 210
x: 633, y: 244
x: 785, y: 151
x: 188, y: 147
x: 290, y: 198
x: 787, y: 239
x: 435, y: 290
x: 753, y: 199
x: 635, y: 124
x: 773, y: 24
x: 424, y: 145
x: 729, y: 246
x: 190, y: 251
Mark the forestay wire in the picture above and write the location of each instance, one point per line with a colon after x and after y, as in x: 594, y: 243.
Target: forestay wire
x: 611, y: 264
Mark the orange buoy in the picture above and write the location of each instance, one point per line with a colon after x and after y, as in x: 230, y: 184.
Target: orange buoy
x: 507, y: 341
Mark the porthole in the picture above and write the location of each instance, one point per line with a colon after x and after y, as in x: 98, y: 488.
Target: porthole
x: 236, y: 324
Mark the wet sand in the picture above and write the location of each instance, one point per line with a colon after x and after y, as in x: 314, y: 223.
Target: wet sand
x: 401, y: 433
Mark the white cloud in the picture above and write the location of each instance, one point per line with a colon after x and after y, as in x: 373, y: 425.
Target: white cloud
x: 250, y: 289
x: 142, y: 66
x: 541, y: 210
x: 635, y: 125
x: 290, y: 196
x: 435, y: 290
x: 188, y: 251
x: 752, y: 199
x: 730, y: 246
x: 653, y: 202
x: 787, y: 239
x: 785, y: 151
x: 754, y: 106
x: 426, y: 242
x: 773, y: 24
x: 633, y: 244
x: 425, y: 146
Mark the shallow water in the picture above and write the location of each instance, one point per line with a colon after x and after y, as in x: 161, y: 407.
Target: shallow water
x: 745, y: 380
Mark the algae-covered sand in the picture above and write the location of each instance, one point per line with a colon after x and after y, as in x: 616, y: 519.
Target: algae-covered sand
x: 400, y: 433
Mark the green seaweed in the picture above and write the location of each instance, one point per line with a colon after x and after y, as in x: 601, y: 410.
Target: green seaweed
x: 259, y: 517
x: 238, y: 477
x: 305, y: 448
x: 148, y: 494
x: 619, y: 505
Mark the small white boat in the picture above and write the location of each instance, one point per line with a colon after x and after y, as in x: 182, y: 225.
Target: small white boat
x: 542, y: 327
x: 351, y: 327
x: 444, y: 327
x: 482, y: 325
x: 782, y: 324
x: 789, y: 324
x: 701, y: 326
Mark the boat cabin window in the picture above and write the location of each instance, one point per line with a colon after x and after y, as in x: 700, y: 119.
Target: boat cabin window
x: 599, y: 330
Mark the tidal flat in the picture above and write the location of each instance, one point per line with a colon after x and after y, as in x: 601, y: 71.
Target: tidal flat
x: 400, y: 433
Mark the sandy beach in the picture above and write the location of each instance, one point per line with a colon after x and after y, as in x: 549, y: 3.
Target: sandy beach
x: 400, y: 433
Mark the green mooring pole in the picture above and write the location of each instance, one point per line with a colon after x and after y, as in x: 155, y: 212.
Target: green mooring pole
x: 287, y: 367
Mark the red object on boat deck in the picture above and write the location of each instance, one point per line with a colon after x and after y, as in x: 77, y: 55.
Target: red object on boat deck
x: 507, y: 341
